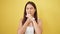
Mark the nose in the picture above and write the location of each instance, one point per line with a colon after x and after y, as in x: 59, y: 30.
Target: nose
x: 29, y: 11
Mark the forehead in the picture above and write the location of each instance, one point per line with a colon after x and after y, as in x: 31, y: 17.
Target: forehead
x: 29, y: 6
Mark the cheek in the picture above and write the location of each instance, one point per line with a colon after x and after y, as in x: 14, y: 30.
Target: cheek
x: 27, y: 11
x: 32, y: 12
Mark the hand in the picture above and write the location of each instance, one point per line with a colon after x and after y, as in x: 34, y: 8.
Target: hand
x: 28, y: 20
x: 30, y: 17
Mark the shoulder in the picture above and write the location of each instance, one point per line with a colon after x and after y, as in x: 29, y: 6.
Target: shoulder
x: 20, y: 21
x: 39, y: 21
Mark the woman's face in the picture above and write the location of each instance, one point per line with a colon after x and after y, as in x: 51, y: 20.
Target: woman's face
x: 30, y: 9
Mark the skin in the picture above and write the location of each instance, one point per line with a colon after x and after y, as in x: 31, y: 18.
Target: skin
x: 30, y: 9
x: 30, y: 21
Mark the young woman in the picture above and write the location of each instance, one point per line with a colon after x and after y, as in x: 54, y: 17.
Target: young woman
x: 30, y: 24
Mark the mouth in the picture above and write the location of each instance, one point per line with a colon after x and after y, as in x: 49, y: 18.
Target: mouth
x: 29, y: 13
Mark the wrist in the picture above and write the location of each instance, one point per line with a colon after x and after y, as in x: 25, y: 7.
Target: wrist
x: 33, y: 19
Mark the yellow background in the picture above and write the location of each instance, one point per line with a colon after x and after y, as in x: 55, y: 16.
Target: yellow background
x: 12, y: 10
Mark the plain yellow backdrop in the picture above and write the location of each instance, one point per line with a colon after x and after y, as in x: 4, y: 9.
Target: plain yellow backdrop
x: 12, y: 10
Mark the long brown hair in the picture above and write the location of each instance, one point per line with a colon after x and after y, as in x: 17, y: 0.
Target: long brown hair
x: 35, y: 14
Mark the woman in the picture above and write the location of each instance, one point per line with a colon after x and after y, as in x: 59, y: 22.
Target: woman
x: 30, y: 24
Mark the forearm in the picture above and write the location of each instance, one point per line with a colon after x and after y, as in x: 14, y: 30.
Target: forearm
x: 23, y: 28
x: 37, y: 29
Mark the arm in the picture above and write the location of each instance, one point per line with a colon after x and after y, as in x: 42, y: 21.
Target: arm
x: 38, y: 27
x: 22, y: 28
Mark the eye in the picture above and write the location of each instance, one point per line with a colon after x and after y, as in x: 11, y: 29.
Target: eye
x: 27, y: 8
x: 31, y: 8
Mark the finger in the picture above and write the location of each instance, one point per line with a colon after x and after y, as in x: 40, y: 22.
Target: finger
x: 28, y: 15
